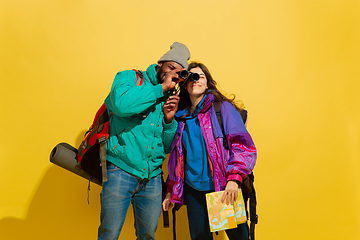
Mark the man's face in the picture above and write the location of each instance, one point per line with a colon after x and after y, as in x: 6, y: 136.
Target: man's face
x: 165, y: 67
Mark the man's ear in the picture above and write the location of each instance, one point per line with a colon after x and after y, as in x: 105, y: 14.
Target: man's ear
x: 159, y: 64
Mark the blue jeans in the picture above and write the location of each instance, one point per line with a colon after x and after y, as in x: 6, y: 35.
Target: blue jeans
x: 118, y: 192
x: 199, y: 220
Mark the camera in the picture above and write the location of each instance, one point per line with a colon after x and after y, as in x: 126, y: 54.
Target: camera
x: 183, y: 74
x: 188, y: 75
x: 193, y: 76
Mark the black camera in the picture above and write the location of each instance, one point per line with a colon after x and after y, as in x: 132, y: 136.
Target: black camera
x: 188, y: 75
x: 183, y: 74
x: 193, y: 76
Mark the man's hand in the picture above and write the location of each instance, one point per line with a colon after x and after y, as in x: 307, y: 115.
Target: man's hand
x: 170, y: 80
x: 231, y: 192
x: 170, y: 108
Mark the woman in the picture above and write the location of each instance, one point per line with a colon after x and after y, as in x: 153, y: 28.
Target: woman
x: 198, y: 161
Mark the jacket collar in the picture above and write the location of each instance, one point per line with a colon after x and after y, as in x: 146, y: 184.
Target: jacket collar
x: 152, y: 74
x: 209, y: 99
x: 205, y: 104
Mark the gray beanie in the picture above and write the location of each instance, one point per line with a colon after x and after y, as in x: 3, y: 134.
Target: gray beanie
x: 178, y: 53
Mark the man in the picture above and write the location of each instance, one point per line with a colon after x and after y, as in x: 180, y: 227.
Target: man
x: 141, y: 132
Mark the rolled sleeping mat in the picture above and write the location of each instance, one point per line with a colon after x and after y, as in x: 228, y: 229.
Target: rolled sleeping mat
x: 64, y: 155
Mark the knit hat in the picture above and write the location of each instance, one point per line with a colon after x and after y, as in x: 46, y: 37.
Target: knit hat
x: 178, y: 53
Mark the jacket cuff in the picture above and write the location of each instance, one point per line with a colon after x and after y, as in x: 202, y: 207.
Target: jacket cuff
x: 235, y: 177
x: 169, y: 186
x: 171, y: 126
x: 158, y: 90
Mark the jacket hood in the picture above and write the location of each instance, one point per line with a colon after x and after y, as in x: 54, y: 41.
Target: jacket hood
x: 205, y: 104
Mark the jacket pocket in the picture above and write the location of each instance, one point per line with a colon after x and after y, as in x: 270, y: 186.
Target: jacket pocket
x: 116, y: 143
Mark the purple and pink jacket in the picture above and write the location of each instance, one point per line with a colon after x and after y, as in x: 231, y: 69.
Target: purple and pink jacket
x: 225, y: 165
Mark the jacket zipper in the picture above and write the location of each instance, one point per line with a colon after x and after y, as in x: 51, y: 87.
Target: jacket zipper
x: 211, y: 164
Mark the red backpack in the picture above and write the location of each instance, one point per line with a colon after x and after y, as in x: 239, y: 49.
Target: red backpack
x: 92, y: 151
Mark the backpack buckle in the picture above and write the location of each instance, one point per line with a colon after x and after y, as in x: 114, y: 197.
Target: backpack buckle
x: 102, y: 139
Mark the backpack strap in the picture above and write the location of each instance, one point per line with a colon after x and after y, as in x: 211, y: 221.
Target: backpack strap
x: 243, y: 114
x: 253, y: 203
x: 165, y: 213
x: 174, y: 210
x: 217, y: 106
x: 102, y: 154
x: 139, y: 77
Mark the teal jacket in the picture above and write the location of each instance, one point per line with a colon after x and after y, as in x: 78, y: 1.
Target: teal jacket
x: 139, y: 137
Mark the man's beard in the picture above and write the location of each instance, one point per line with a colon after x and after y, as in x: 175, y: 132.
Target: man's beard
x: 160, y: 76
x: 160, y: 81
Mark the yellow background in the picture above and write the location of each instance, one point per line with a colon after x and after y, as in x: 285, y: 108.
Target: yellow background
x: 294, y: 64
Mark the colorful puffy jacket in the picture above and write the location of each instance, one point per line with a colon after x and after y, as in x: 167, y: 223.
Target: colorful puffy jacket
x: 234, y: 164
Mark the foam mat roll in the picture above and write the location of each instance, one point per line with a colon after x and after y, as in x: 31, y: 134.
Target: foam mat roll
x: 64, y: 155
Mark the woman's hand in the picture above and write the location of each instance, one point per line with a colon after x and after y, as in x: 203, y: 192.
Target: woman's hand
x: 167, y: 204
x: 231, y: 192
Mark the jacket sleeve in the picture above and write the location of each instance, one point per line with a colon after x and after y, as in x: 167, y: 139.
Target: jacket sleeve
x: 176, y: 160
x: 169, y: 134
x: 172, y: 163
x: 126, y: 99
x: 242, y: 155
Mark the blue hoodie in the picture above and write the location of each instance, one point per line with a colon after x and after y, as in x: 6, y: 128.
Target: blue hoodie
x: 197, y: 170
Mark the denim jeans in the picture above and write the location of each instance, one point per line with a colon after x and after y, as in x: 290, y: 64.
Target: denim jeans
x: 199, y: 220
x: 118, y: 192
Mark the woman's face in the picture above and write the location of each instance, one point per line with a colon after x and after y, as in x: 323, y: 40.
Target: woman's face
x: 197, y: 88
